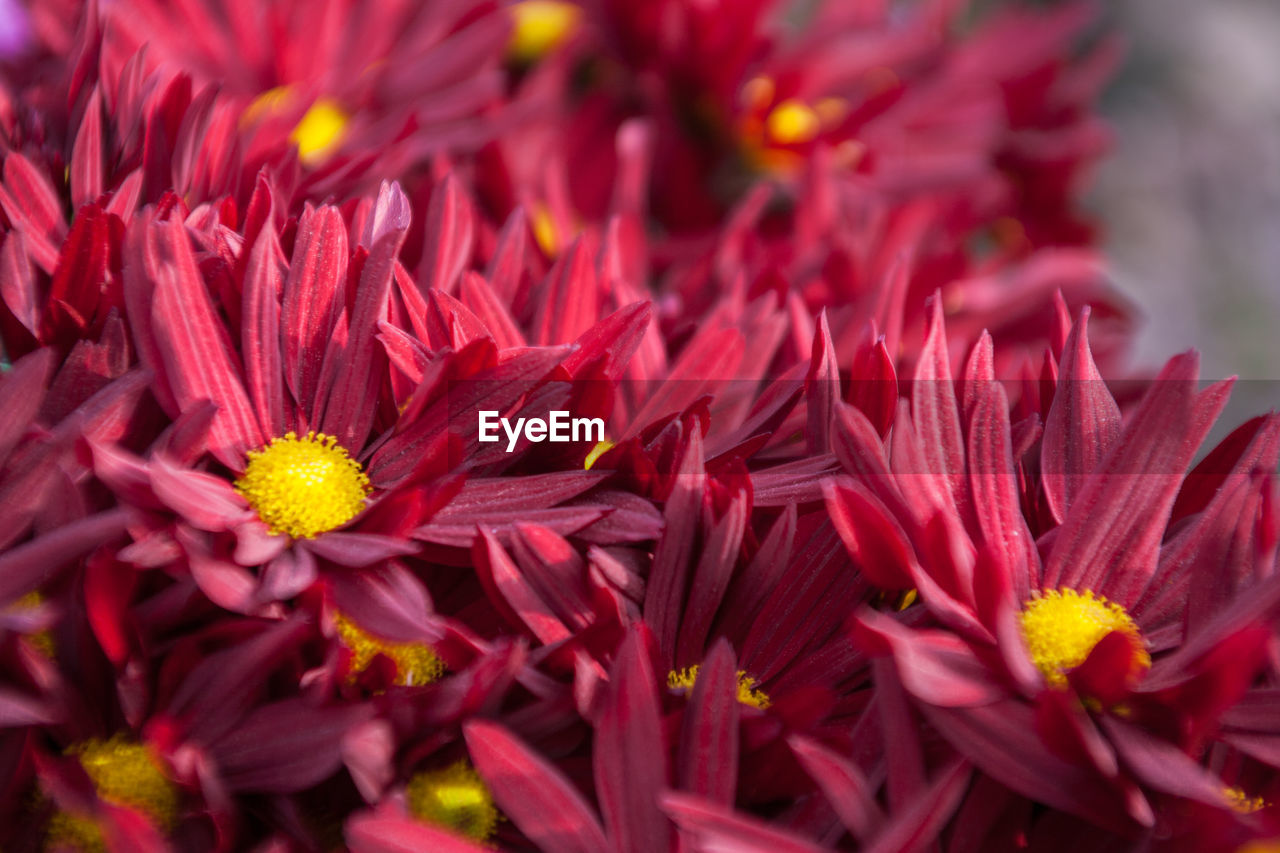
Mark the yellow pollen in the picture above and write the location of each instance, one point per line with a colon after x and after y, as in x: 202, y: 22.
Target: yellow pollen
x: 303, y: 486
x: 454, y: 797
x: 601, y: 448
x: 320, y: 131
x: 123, y: 773
x: 41, y: 641
x: 792, y: 122
x: 1243, y: 803
x: 416, y: 664
x: 1062, y: 627
x: 749, y: 692
x: 540, y: 26
x: 544, y: 231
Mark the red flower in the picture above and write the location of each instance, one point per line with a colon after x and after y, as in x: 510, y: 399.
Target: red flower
x: 1038, y: 671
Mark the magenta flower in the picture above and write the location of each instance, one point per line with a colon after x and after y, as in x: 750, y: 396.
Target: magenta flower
x: 1064, y: 668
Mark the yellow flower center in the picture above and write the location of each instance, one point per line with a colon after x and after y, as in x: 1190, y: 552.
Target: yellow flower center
x: 303, y: 486
x: 416, y: 664
x: 123, y: 773
x: 749, y: 692
x: 540, y: 26
x: 545, y: 231
x: 1062, y: 627
x: 601, y: 448
x: 320, y: 131
x: 793, y: 122
x: 41, y: 641
x: 454, y: 797
x: 1243, y: 803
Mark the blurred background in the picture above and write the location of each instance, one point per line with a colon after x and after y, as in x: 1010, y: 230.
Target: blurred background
x: 1190, y: 194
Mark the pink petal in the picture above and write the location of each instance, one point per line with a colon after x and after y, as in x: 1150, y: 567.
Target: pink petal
x: 630, y: 756
x: 996, y: 497
x: 19, y: 288
x: 707, y: 762
x: 32, y: 206
x: 926, y: 815
x: 199, y: 499
x: 450, y: 232
x: 844, y: 786
x: 286, y: 747
x: 31, y: 564
x: 712, y: 827
x: 1111, y: 540
x: 512, y: 594
x: 86, y: 176
x: 478, y: 295
x: 260, y: 333
x: 822, y: 387
x: 935, y: 666
x: 368, y: 751
x: 1083, y: 423
x: 387, y: 832
x: 711, y: 576
x: 349, y: 404
x: 22, y: 391
x: 873, y: 537
x: 542, y: 803
x: 287, y: 575
x: 347, y: 548
x: 222, y: 581
x: 664, y: 600
x: 1001, y: 740
x: 313, y: 296
x: 198, y: 360
x: 936, y: 415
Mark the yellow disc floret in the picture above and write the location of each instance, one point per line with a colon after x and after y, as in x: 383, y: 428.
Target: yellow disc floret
x: 540, y: 26
x: 124, y: 773
x: 793, y: 122
x: 41, y: 641
x: 749, y: 693
x: 1062, y: 627
x: 303, y: 486
x: 416, y: 664
x: 320, y: 131
x: 545, y: 231
x: 454, y: 797
x: 1242, y: 803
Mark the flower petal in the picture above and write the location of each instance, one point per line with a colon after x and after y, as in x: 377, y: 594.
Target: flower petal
x: 540, y: 801
x: 707, y: 761
x: 630, y: 755
x: 1082, y: 426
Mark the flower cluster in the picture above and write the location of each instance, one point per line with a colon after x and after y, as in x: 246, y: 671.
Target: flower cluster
x: 881, y: 550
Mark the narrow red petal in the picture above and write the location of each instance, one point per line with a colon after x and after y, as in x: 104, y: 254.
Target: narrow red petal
x: 707, y: 762
x: 1082, y: 426
x: 540, y: 801
x: 630, y: 755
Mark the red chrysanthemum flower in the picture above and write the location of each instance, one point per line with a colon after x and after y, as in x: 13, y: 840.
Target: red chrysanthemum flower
x: 1064, y: 667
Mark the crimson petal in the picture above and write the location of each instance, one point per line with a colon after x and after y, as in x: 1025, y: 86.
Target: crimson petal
x: 630, y: 758
x: 532, y: 792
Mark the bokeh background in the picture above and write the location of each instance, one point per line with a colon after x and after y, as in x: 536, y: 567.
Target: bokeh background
x: 1190, y: 193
